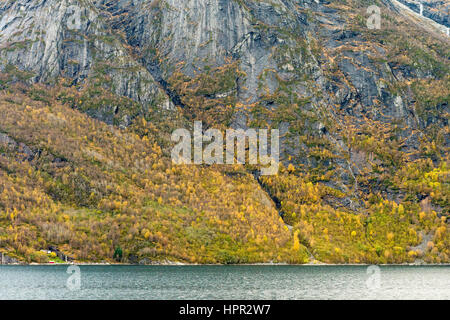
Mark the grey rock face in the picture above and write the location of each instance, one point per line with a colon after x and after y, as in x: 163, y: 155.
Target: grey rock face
x: 272, y: 40
x: 437, y: 10
x: 290, y: 51
x: 196, y: 34
x: 69, y: 39
x: 23, y: 152
x: 5, y: 259
x: 7, y: 142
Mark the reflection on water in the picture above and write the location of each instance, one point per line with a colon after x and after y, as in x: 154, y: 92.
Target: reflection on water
x: 225, y: 282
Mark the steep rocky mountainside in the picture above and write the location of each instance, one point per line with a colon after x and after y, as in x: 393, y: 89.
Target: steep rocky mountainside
x: 437, y: 10
x: 52, y: 39
x: 363, y: 115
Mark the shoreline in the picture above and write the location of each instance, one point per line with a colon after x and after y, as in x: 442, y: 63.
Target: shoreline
x: 175, y: 264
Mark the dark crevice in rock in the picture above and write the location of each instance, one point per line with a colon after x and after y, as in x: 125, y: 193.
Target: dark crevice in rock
x: 154, y: 69
x: 275, y: 199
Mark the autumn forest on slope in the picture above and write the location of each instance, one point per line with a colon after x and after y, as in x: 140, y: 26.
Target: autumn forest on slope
x: 90, y: 92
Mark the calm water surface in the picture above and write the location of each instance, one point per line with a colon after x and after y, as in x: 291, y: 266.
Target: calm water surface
x: 227, y: 282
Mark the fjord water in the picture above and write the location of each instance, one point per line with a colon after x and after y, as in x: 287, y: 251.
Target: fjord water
x: 227, y: 282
